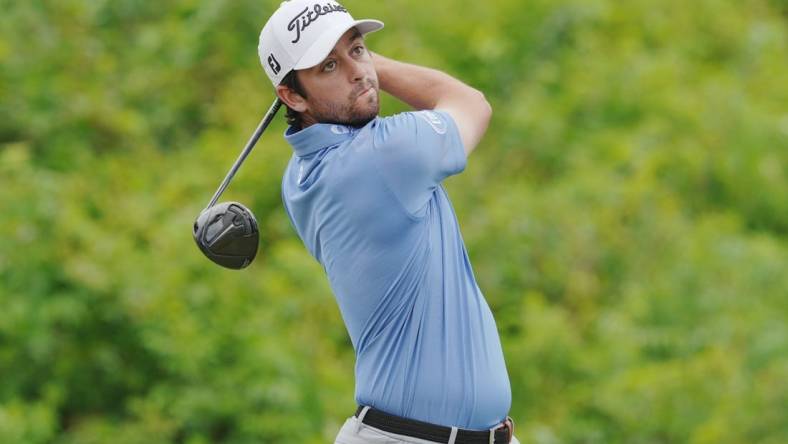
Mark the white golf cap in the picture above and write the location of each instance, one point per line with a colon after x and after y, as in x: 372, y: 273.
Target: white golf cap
x: 301, y: 33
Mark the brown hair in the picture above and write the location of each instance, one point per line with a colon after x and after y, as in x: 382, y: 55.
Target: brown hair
x: 291, y: 81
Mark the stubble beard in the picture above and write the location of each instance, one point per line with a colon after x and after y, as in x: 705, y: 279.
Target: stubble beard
x: 349, y: 113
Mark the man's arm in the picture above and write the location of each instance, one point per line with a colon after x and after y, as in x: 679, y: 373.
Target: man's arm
x: 425, y: 88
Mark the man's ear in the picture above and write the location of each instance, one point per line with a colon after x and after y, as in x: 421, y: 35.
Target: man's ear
x: 295, y: 101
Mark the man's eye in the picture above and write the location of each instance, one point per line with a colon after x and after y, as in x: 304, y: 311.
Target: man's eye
x: 329, y: 66
x: 358, y: 50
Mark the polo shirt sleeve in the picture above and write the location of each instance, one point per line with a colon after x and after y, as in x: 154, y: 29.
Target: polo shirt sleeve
x: 416, y: 151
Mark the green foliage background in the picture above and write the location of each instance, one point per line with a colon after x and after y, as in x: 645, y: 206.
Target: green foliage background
x: 626, y: 215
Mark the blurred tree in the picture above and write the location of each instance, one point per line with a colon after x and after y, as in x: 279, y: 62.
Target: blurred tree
x: 625, y: 215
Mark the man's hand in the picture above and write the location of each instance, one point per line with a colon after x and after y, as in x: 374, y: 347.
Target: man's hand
x: 425, y: 88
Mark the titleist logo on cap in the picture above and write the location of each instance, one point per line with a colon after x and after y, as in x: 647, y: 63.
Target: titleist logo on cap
x: 306, y: 17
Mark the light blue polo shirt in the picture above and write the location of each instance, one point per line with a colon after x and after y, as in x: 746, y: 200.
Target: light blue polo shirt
x: 369, y: 206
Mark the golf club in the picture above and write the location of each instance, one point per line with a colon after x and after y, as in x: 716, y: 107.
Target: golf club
x: 227, y: 233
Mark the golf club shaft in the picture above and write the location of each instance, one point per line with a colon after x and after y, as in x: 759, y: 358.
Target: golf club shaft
x: 247, y: 149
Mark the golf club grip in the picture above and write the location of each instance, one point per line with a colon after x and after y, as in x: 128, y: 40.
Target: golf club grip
x: 269, y: 116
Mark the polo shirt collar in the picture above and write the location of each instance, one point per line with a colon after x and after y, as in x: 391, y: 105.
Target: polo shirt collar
x: 318, y: 136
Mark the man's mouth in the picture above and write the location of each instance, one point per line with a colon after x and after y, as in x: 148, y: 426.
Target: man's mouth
x: 365, y: 91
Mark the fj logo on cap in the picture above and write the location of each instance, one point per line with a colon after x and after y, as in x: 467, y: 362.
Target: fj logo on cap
x: 306, y: 17
x: 274, y: 64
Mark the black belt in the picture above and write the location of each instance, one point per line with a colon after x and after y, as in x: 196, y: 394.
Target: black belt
x: 434, y: 432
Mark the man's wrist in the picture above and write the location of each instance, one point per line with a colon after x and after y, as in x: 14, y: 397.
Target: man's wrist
x: 383, y: 68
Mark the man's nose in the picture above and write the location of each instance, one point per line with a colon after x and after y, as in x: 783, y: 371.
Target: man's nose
x: 357, y: 72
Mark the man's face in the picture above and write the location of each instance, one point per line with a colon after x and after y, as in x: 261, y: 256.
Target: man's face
x: 343, y: 88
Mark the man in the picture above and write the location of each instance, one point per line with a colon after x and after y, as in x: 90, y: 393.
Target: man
x: 364, y: 194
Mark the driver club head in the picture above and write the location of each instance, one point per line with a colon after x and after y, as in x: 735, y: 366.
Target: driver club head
x: 227, y: 234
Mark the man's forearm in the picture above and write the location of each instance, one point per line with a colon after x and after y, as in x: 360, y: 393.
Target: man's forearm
x: 419, y: 87
x: 425, y: 88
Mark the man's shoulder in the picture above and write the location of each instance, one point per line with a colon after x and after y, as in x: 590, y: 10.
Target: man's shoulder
x: 423, y: 137
x: 438, y: 120
x: 425, y: 124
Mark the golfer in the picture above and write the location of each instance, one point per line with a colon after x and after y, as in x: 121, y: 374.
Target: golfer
x: 364, y: 194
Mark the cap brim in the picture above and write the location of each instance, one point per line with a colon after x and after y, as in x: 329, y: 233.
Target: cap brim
x: 329, y: 39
